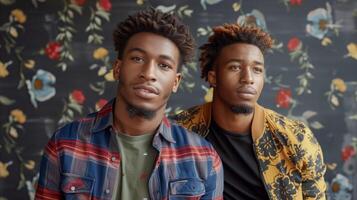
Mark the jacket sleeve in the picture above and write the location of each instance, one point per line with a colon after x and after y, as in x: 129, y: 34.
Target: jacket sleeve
x: 312, y: 168
x: 214, y: 183
x: 49, y: 181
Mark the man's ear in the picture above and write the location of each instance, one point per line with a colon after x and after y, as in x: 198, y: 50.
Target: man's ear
x: 116, y: 68
x: 177, y: 82
x: 212, y: 79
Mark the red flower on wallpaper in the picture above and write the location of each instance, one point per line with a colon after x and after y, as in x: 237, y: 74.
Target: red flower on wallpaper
x: 105, y: 5
x: 295, y: 2
x: 283, y: 98
x: 79, y: 2
x: 53, y: 50
x: 348, y: 152
x: 294, y: 44
x: 78, y: 96
x: 100, y: 103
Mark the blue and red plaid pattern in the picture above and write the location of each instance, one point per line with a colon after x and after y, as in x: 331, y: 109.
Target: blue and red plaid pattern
x: 82, y: 159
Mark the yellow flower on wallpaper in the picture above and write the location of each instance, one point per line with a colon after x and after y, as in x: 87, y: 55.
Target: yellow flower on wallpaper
x: 18, y: 116
x: 109, y: 76
x: 29, y: 64
x: 352, y: 50
x: 209, y: 95
x: 326, y: 41
x: 100, y: 53
x: 236, y: 6
x: 140, y: 2
x: 339, y: 84
x: 30, y: 165
x: 102, y: 70
x: 3, y: 170
x: 13, y: 32
x: 19, y: 16
x: 3, y: 70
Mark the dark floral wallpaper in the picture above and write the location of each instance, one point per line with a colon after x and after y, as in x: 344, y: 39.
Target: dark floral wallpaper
x: 56, y: 57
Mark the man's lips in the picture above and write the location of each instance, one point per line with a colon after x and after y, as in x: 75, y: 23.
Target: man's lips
x: 247, y: 90
x: 146, y: 91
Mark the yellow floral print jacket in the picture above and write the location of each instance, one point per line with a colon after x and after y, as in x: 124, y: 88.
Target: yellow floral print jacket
x: 289, y: 156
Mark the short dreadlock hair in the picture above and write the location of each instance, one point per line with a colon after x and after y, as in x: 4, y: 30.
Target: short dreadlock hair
x: 229, y: 34
x: 155, y: 21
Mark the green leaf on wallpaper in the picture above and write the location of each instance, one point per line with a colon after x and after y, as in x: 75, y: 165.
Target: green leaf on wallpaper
x: 299, y: 90
x: 22, y: 181
x: 70, y: 113
x: 6, y: 101
x: 184, y: 11
x: 76, y: 8
x: 6, y: 3
x: 104, y: 15
x: 316, y: 125
x: 98, y: 21
x: 70, y: 57
x: 166, y: 9
x: 209, y: 2
x: 190, y: 85
x: 352, y: 117
x: 90, y: 39
x: 308, y: 114
x: 75, y: 107
x: 70, y: 13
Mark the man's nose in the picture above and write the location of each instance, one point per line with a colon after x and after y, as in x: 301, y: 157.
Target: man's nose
x: 148, y: 71
x: 246, y: 76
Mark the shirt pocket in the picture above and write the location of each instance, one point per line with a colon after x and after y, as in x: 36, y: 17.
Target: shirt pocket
x: 186, y: 189
x: 76, y: 187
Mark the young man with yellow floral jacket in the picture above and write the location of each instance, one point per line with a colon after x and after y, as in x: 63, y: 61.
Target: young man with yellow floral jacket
x: 265, y: 155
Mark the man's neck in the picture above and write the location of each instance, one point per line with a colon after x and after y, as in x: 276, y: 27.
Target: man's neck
x: 134, y: 125
x: 230, y: 121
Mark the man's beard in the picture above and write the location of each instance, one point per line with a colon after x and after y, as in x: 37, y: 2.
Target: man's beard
x: 135, y: 111
x: 242, y: 109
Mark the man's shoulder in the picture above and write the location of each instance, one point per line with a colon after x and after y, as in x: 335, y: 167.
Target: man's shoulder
x: 187, y: 114
x: 184, y: 136
x: 283, y: 122
x: 195, y: 119
x: 295, y: 131
x: 73, y: 129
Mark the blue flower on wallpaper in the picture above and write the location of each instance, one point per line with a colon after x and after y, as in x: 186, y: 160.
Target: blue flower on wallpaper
x: 40, y: 88
x: 255, y: 18
x: 341, y: 188
x: 320, y: 21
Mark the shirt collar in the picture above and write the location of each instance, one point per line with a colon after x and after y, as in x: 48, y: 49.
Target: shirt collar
x: 104, y: 118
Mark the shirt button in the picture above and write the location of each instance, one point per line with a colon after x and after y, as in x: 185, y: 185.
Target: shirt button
x: 107, y: 191
x: 113, y: 158
x: 73, y: 188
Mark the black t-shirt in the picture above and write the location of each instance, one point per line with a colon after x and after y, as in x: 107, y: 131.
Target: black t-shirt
x: 242, y: 179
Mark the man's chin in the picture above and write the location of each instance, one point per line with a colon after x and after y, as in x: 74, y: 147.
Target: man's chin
x: 243, y: 109
x: 139, y: 111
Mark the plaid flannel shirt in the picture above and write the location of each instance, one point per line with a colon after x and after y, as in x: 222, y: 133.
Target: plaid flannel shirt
x: 82, y: 159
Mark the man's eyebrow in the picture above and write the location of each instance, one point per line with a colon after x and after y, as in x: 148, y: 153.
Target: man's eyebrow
x: 137, y: 49
x: 166, y: 57
x: 240, y: 60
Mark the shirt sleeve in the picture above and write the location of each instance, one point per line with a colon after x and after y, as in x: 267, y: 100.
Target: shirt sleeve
x: 214, y: 183
x: 49, y: 181
x: 312, y: 168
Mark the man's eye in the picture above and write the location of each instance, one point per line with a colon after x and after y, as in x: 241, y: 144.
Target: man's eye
x: 234, y: 67
x: 165, y: 66
x: 258, y: 69
x: 137, y: 59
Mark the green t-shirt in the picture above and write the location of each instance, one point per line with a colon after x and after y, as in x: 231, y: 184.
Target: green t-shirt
x: 137, y: 162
